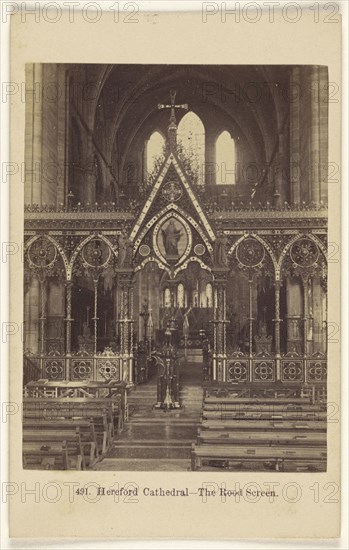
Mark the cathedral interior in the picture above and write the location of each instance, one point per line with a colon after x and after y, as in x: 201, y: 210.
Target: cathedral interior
x: 175, y: 252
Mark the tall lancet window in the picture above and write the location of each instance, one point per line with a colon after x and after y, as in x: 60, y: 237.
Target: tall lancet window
x: 180, y: 296
x: 225, y: 159
x: 191, y: 140
x: 154, y: 151
x: 167, y: 298
x: 209, y: 295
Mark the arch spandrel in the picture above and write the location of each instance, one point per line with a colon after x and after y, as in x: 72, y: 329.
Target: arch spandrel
x: 60, y: 251
x: 78, y: 251
x: 268, y: 256
x: 304, y: 255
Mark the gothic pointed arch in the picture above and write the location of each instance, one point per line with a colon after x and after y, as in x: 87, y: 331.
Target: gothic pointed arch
x: 171, y: 188
x: 153, y: 153
x: 191, y: 143
x: 226, y: 159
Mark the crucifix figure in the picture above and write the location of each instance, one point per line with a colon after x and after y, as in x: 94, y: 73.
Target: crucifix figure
x: 172, y: 129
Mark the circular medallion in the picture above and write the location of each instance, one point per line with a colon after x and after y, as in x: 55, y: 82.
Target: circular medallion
x: 199, y: 249
x: 304, y: 252
x: 250, y: 253
x: 42, y: 253
x: 96, y: 253
x: 172, y: 191
x: 144, y: 250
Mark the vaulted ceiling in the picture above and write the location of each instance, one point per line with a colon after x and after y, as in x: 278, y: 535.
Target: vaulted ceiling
x: 250, y: 101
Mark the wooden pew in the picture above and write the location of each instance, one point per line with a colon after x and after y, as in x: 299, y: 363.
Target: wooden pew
x: 115, y: 391
x: 265, y: 425
x: 97, y: 427
x: 273, y: 407
x: 277, y: 457
x: 54, y: 456
x: 263, y: 414
x: 104, y: 413
x: 84, y: 441
x: 61, y: 403
x: 276, y: 437
x: 316, y: 393
x: 51, y: 408
x: 87, y: 427
x: 284, y: 432
x: 212, y: 400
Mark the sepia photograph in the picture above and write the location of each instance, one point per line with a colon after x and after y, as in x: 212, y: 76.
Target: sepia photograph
x: 174, y: 325
x: 175, y: 267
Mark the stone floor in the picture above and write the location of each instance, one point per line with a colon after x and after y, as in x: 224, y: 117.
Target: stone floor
x: 155, y: 440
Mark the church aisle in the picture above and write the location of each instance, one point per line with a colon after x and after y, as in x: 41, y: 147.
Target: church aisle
x: 155, y: 440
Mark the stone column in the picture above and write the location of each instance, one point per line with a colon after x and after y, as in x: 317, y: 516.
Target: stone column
x: 295, y: 92
x: 323, y: 127
x: 279, y: 192
x: 33, y: 133
x: 89, y: 171
x: 315, y: 135
x: 210, y: 159
x: 219, y: 324
x: 62, y: 132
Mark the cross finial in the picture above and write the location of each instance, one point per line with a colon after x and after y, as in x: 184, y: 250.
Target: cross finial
x: 172, y: 129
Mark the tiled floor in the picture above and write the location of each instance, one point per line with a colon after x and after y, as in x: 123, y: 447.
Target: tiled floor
x: 155, y: 440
